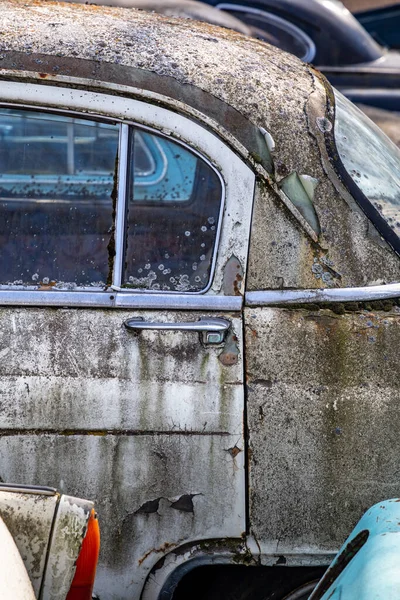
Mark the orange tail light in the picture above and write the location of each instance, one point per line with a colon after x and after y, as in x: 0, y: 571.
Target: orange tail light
x: 82, y: 584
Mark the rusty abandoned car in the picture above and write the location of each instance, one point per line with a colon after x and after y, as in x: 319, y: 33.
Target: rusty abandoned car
x: 199, y: 321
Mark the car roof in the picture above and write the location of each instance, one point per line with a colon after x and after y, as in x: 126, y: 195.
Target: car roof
x: 240, y: 82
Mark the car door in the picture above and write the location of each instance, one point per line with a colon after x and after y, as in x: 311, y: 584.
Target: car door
x: 124, y: 245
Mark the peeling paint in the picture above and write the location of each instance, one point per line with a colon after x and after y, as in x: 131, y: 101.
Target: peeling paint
x: 234, y: 451
x: 151, y: 506
x: 184, y: 503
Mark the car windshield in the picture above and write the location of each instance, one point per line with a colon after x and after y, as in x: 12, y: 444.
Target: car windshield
x: 370, y: 158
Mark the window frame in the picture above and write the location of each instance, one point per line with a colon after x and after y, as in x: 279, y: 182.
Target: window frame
x: 124, y: 157
x: 162, y: 121
x: 127, y: 128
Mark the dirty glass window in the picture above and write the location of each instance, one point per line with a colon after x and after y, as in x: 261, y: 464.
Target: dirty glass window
x: 174, y: 202
x: 56, y: 208
x: 371, y: 160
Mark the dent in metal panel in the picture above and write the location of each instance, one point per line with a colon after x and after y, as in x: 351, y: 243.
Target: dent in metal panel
x: 144, y: 486
x: 66, y: 541
x: 322, y: 412
x: 29, y: 519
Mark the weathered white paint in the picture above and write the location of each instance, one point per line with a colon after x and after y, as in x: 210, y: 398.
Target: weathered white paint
x: 14, y: 581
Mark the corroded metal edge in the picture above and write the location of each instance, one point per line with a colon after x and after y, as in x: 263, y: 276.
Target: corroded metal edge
x: 356, y: 294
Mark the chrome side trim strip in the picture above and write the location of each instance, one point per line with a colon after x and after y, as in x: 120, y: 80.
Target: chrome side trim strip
x: 360, y: 294
x: 112, y: 299
x: 56, y: 298
x: 17, y: 488
x: 121, y: 203
x: 177, y: 302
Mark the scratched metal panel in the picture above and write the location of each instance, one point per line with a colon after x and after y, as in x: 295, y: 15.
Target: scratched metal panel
x: 152, y: 492
x: 323, y: 410
x: 66, y: 369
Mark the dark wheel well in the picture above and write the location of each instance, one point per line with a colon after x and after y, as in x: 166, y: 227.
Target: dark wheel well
x: 226, y: 582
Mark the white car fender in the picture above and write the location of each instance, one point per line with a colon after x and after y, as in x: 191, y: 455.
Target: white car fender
x: 14, y: 580
x: 48, y: 530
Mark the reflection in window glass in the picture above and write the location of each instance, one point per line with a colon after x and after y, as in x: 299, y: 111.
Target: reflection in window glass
x: 56, y: 182
x: 274, y: 30
x: 173, y: 214
x: 370, y: 158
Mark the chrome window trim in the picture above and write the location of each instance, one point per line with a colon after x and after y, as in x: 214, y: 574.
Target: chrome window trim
x: 120, y: 216
x: 126, y: 299
x: 288, y: 25
x: 317, y: 296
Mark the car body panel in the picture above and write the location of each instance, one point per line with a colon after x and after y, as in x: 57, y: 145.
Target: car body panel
x: 180, y: 419
x: 47, y: 530
x: 152, y: 423
x: 14, y: 579
x: 338, y: 37
x: 29, y: 519
x: 314, y: 418
x: 366, y: 565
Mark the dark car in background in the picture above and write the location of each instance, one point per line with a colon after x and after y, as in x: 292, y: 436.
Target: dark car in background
x: 325, y: 33
x: 383, y: 24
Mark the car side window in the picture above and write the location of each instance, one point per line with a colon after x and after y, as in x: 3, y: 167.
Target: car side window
x: 173, y: 214
x: 58, y: 189
x: 56, y: 182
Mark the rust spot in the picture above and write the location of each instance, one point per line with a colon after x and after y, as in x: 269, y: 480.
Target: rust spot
x: 230, y: 354
x: 164, y: 548
x: 233, y: 277
x: 228, y: 359
x: 46, y: 286
x: 234, y: 451
x: 43, y: 75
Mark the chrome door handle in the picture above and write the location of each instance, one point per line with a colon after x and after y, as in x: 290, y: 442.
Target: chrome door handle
x: 213, y: 330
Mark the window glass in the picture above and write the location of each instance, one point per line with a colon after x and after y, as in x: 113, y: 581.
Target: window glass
x: 174, y: 201
x: 370, y: 158
x: 56, y: 208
